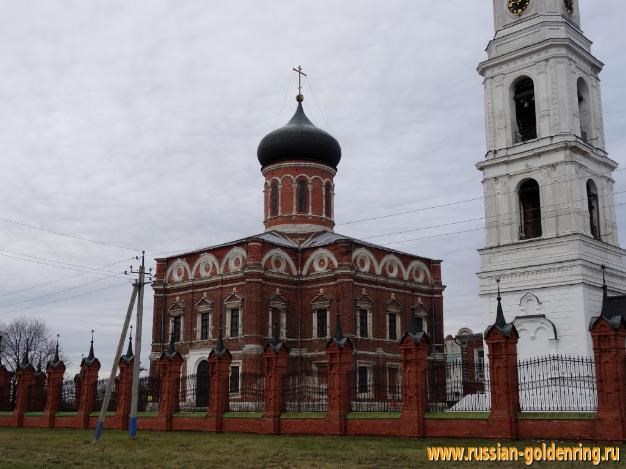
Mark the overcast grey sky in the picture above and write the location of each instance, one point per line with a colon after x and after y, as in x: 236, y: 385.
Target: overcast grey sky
x: 136, y: 123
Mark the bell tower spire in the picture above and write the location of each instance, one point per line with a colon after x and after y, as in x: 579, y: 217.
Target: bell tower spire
x: 547, y: 179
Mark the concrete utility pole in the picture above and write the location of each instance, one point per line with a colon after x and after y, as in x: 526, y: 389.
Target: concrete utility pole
x: 116, y: 360
x: 132, y: 424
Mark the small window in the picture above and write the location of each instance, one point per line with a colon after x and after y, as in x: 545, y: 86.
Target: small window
x: 594, y: 212
x: 234, y: 379
x: 234, y: 322
x: 303, y: 193
x: 322, y: 323
x: 176, y: 324
x: 362, y: 380
x: 204, y: 326
x: 530, y: 210
x: 392, y: 324
x: 274, y: 199
x: 524, y: 99
x: 363, y: 313
x: 328, y: 201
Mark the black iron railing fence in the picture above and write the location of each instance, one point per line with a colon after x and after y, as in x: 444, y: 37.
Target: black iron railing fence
x: 149, y: 393
x: 246, y: 392
x: 101, y: 387
x: 458, y: 385
x: 557, y: 383
x: 69, y: 396
x: 37, y: 397
x: 7, y: 398
x: 305, y: 389
x: 375, y: 388
x: 193, y: 394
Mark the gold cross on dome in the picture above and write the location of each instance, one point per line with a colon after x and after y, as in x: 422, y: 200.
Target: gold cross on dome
x: 300, y: 75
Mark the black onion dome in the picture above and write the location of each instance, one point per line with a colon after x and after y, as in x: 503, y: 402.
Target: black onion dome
x: 299, y: 139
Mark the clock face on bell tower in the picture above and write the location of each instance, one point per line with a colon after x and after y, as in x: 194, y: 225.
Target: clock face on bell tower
x: 518, y: 7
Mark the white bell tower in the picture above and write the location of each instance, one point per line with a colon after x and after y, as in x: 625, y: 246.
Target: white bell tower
x: 548, y: 187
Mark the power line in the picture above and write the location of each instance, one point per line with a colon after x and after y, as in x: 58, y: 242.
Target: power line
x: 494, y: 217
x: 28, y: 300
x: 65, y: 299
x: 473, y: 229
x: 58, y: 264
x: 59, y: 279
x: 458, y: 202
x: 58, y: 233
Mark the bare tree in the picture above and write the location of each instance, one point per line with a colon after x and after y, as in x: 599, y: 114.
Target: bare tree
x: 27, y: 339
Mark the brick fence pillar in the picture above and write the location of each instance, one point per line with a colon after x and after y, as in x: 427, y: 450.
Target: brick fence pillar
x: 170, y: 365
x: 608, y: 336
x: 89, y: 368
x: 414, y: 349
x: 6, y: 378
x: 25, y: 380
x: 276, y: 356
x: 124, y: 390
x: 339, y: 351
x: 219, y: 366
x: 55, y: 371
x: 501, y: 339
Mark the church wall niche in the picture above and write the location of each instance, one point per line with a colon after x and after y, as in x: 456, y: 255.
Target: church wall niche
x: 287, y: 196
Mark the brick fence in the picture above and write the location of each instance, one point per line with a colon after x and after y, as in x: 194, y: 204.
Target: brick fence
x: 334, y: 412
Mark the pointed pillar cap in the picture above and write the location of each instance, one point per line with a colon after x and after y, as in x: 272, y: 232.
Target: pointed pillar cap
x: 506, y: 329
x: 56, y: 360
x: 220, y: 349
x: 91, y: 358
x: 129, y: 355
x: 275, y: 343
x: 338, y: 338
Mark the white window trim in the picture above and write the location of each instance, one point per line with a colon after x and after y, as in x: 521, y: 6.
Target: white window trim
x: 199, y: 324
x: 240, y: 324
x: 181, y: 315
x: 315, y: 313
x: 369, y: 322
x: 398, y: 367
x: 370, y: 380
x: 239, y: 364
x: 282, y: 323
x: 398, y: 325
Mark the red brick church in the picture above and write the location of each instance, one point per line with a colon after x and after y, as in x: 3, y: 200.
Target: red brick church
x: 298, y: 278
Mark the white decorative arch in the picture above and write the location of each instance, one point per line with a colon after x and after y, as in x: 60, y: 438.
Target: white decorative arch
x: 529, y: 304
x: 206, y: 266
x: 234, y: 260
x: 364, y: 261
x: 287, y: 176
x: 178, y: 271
x: 418, y: 272
x: 322, y: 260
x: 279, y: 261
x: 392, y: 267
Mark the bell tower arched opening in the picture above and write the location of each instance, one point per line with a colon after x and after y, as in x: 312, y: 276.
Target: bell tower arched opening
x: 524, y: 105
x: 530, y: 210
x: 594, y: 209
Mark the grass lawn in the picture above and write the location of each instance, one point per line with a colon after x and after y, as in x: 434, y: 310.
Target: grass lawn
x: 70, y: 448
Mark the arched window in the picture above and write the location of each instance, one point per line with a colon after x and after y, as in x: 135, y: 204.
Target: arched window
x: 303, y: 199
x: 274, y: 199
x: 524, y: 99
x: 594, y: 211
x: 584, y: 109
x: 530, y: 210
x: 328, y: 201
